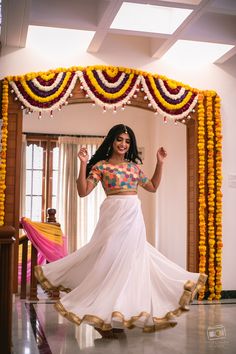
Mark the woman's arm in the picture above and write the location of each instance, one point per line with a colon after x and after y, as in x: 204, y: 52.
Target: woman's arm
x: 84, y: 186
x: 153, y: 184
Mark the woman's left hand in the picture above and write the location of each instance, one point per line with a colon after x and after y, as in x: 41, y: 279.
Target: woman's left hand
x: 161, y: 154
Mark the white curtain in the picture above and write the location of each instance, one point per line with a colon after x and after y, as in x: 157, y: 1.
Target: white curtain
x: 77, y: 216
x: 23, y: 176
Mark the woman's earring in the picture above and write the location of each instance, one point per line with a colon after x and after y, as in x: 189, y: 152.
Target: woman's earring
x: 108, y: 151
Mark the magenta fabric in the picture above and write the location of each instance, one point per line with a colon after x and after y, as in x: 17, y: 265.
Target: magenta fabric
x: 47, y: 249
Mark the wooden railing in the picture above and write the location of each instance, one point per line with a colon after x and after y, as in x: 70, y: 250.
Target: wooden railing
x: 25, y: 242
x: 6, y: 286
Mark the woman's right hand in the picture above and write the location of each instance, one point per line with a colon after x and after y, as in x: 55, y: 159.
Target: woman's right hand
x: 83, y: 155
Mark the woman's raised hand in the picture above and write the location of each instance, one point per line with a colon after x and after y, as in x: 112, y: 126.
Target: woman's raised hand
x: 161, y: 154
x: 83, y: 155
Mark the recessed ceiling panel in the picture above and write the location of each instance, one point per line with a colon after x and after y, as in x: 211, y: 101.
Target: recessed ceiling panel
x: 59, y: 40
x: 75, y: 14
x: 193, y: 52
x: 186, y: 2
x: 223, y: 4
x: 213, y: 27
x: 149, y: 18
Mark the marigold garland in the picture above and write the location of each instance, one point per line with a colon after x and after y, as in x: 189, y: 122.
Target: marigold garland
x: 176, y: 104
x: 109, y: 87
x: 112, y: 87
x: 210, y: 197
x: 167, y: 104
x: 102, y: 91
x: 39, y: 94
x: 109, y: 91
x: 210, y: 201
x: 201, y: 188
x: 218, y: 203
x: 3, y: 152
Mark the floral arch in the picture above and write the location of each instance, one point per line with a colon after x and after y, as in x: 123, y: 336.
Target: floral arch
x: 113, y: 88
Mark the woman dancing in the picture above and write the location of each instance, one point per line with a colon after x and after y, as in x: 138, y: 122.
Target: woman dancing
x: 118, y: 280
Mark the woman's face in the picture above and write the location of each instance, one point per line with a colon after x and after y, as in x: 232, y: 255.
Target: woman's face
x: 121, y: 144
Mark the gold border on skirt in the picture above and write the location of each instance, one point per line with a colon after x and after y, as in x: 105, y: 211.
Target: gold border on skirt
x: 45, y: 283
x: 190, y: 290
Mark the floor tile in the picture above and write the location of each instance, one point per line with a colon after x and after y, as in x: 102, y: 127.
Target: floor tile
x: 206, y: 328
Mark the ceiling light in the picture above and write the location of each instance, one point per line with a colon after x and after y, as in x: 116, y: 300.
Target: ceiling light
x: 189, y: 53
x: 149, y: 18
x: 58, y: 40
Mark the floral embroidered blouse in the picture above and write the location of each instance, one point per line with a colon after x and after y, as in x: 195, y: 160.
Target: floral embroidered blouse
x: 123, y: 177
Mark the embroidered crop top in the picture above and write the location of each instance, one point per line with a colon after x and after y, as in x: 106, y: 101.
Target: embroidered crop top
x: 123, y: 177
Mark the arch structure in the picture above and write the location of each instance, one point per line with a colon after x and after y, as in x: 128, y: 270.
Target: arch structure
x: 114, y: 88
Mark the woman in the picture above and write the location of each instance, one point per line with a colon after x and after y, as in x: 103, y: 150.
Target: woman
x: 118, y: 279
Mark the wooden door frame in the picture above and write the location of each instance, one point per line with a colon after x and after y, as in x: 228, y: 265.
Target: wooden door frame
x: 12, y: 195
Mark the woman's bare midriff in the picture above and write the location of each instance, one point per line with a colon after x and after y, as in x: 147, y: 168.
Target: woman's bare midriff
x: 124, y: 193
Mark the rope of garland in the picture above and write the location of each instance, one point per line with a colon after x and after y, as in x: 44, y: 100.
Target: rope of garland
x: 201, y: 188
x: 3, y: 153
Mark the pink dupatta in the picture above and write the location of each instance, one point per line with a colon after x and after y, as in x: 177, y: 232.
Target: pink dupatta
x: 47, y: 238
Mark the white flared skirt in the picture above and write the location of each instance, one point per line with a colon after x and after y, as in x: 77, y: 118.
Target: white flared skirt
x: 118, y: 279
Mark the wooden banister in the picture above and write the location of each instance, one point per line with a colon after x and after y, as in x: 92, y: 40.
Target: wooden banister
x: 6, y: 287
x: 24, y: 241
x: 33, y: 280
x: 51, y: 215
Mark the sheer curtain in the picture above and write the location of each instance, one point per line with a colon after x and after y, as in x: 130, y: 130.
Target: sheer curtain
x: 23, y: 176
x: 78, y: 216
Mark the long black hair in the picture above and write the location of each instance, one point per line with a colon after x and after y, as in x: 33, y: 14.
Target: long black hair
x: 105, y: 150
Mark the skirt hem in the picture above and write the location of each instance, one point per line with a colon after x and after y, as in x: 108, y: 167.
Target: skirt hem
x: 45, y: 283
x: 189, y: 292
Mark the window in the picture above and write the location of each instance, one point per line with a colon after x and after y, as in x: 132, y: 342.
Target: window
x: 41, y: 176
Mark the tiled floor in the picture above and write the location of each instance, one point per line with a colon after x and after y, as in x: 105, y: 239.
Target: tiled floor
x: 207, y: 328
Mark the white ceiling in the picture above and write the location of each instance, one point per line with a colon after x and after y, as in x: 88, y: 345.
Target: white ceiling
x: 210, y: 21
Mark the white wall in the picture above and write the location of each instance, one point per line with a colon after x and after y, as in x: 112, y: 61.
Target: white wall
x: 172, y: 195
x: 219, y: 78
